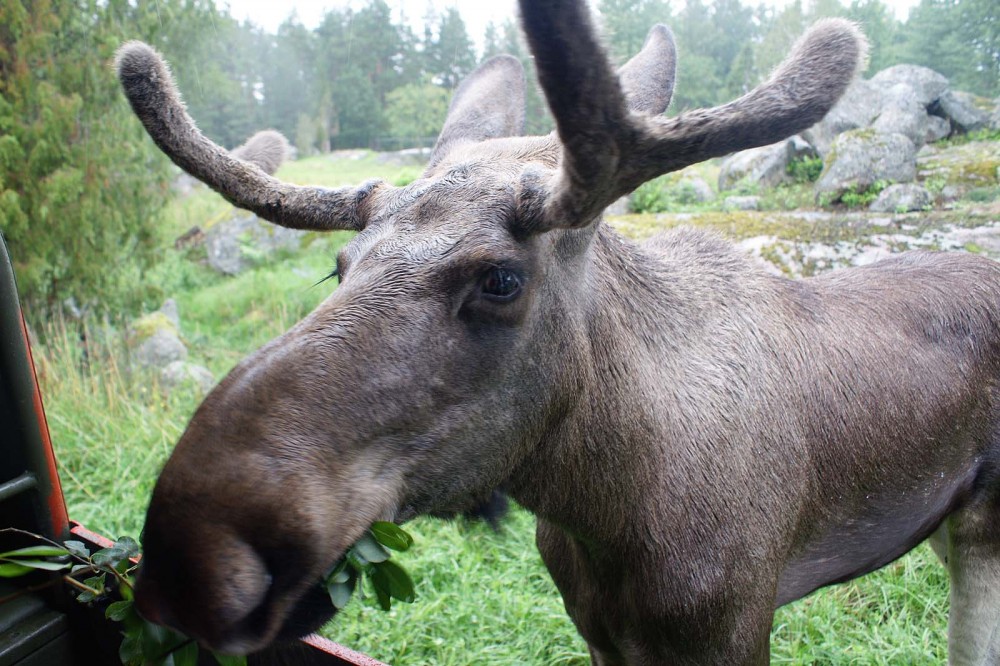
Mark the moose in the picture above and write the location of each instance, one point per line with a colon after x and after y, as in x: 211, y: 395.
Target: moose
x: 700, y: 440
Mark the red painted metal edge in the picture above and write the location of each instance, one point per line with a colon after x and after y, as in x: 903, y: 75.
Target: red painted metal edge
x: 312, y: 641
x: 55, y: 500
x: 317, y: 642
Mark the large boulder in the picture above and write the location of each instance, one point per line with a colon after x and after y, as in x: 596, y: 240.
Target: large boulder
x: 859, y: 158
x: 937, y: 128
x: 902, y: 113
x: 927, y: 84
x: 741, y: 203
x: 695, y: 189
x: 902, y: 198
x: 767, y: 165
x: 764, y: 166
x: 859, y: 106
x: 154, y: 339
x: 964, y: 110
x: 236, y: 244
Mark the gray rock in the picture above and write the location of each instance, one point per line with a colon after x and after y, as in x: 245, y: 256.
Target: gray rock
x: 927, y: 84
x: 995, y: 116
x: 902, y: 198
x: 902, y: 114
x: 937, y: 128
x: 169, y: 309
x: 741, y: 203
x: 619, y: 207
x: 860, y: 104
x: 909, y: 122
x: 178, y: 373
x: 160, y: 349
x: 764, y: 165
x: 797, y: 148
x: 951, y: 193
x: 961, y: 109
x: 860, y: 157
x: 696, y: 189
x: 236, y: 244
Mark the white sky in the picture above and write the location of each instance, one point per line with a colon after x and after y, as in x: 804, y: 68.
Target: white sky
x: 476, y: 13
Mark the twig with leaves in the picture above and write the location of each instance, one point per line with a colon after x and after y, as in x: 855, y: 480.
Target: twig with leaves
x: 107, y: 575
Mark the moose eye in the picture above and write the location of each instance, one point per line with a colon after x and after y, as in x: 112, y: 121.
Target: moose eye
x: 501, y: 284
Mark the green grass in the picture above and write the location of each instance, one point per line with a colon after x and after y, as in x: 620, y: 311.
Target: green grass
x: 482, y: 598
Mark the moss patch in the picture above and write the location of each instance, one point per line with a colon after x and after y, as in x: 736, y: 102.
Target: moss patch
x: 974, y: 164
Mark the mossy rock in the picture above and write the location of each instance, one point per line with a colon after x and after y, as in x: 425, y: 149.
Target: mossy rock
x: 149, y: 325
x: 973, y: 164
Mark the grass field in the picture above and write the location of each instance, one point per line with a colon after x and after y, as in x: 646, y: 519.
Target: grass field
x: 482, y: 597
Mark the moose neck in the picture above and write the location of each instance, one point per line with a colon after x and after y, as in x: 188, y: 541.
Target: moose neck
x: 610, y: 442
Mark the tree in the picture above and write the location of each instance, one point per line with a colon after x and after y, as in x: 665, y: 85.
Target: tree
x: 416, y: 110
x: 627, y: 22
x: 959, y: 39
x: 449, y: 55
x: 80, y: 186
x: 881, y: 29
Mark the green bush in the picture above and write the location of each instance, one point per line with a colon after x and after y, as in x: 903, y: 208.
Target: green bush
x: 663, y: 194
x: 805, y: 170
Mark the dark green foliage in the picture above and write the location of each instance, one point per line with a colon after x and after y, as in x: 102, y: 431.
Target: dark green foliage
x: 80, y: 187
x: 805, y: 170
x: 959, y: 39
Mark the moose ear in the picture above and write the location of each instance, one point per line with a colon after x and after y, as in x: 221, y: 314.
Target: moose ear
x: 267, y: 149
x: 648, y: 78
x: 488, y: 104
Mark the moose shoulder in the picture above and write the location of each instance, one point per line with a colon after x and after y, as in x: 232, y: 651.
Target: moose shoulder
x: 701, y: 441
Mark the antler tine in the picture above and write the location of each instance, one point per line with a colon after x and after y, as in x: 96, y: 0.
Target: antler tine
x: 153, y: 95
x: 799, y: 94
x: 608, y: 151
x: 588, y: 105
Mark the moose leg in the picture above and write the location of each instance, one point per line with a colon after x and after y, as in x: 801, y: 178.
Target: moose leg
x: 973, y: 560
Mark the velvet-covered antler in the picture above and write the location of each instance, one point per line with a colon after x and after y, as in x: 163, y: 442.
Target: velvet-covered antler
x: 608, y: 149
x: 150, y: 89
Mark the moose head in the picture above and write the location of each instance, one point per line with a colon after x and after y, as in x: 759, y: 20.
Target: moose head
x: 462, y: 339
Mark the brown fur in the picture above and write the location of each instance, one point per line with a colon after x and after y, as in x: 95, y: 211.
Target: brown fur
x: 701, y: 441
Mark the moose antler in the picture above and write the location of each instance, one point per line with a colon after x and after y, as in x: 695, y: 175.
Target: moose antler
x: 150, y: 89
x: 608, y: 150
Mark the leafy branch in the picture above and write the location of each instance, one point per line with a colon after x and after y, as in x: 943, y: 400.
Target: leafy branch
x: 107, y: 576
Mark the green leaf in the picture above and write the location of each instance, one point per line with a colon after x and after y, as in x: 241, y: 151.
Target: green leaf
x: 130, y: 651
x: 340, y: 573
x: 370, y: 549
x: 393, y: 580
x: 129, y: 545
x: 77, y: 548
x: 109, y: 557
x: 118, y: 611
x: 13, y: 570
x: 46, y: 565
x: 185, y: 655
x: 340, y: 593
x: 391, y: 535
x: 357, y: 560
x: 36, y: 551
x: 383, y: 598
x: 230, y: 659
x: 96, y: 582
